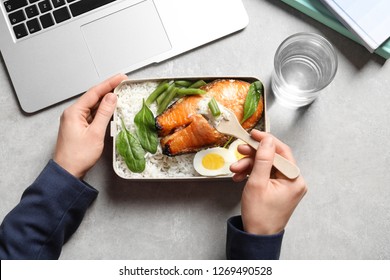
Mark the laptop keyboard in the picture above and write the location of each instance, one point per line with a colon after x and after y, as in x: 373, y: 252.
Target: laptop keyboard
x: 32, y: 16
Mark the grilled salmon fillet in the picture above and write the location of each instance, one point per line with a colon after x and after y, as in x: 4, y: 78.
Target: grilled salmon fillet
x: 183, y: 130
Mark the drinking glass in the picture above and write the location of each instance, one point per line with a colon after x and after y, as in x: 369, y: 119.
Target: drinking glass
x: 304, y: 64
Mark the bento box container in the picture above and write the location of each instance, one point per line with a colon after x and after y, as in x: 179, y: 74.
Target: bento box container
x: 115, y: 126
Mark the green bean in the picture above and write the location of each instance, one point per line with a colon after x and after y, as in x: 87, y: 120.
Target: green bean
x: 198, y: 84
x: 183, y: 83
x: 160, y: 89
x: 190, y: 91
x: 214, y: 108
x: 161, y: 97
x: 171, y: 93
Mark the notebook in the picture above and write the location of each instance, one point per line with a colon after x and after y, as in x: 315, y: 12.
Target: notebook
x: 56, y: 49
x: 316, y: 10
x: 369, y: 20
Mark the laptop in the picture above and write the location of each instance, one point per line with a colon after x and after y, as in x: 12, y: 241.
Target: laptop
x: 57, y: 49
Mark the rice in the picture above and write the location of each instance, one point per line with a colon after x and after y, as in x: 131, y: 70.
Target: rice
x: 158, y: 165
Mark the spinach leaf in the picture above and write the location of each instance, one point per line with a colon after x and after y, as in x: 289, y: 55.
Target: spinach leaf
x: 129, y: 147
x: 146, y: 129
x: 252, y: 99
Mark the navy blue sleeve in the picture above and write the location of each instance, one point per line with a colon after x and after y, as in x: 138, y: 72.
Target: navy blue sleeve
x: 49, y: 212
x: 244, y: 246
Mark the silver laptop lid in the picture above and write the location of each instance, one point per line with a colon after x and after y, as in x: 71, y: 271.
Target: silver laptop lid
x: 56, y: 49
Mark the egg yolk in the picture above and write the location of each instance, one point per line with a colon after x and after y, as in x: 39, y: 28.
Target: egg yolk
x: 213, y: 161
x: 238, y: 155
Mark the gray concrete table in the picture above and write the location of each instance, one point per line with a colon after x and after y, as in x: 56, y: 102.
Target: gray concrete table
x: 341, y: 143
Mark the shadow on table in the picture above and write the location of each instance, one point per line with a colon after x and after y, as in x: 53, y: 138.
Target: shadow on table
x: 294, y: 116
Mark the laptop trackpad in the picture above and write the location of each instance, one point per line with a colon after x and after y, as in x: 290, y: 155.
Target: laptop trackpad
x: 125, y: 38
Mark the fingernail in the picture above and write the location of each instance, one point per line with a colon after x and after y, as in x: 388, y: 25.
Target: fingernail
x: 267, y: 142
x: 111, y: 98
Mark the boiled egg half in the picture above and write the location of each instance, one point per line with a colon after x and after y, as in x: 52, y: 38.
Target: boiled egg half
x: 233, y: 149
x: 213, y: 161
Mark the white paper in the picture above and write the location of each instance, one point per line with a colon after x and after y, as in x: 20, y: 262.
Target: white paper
x: 368, y: 19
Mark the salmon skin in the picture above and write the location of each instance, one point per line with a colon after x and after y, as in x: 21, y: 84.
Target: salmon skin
x: 183, y: 130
